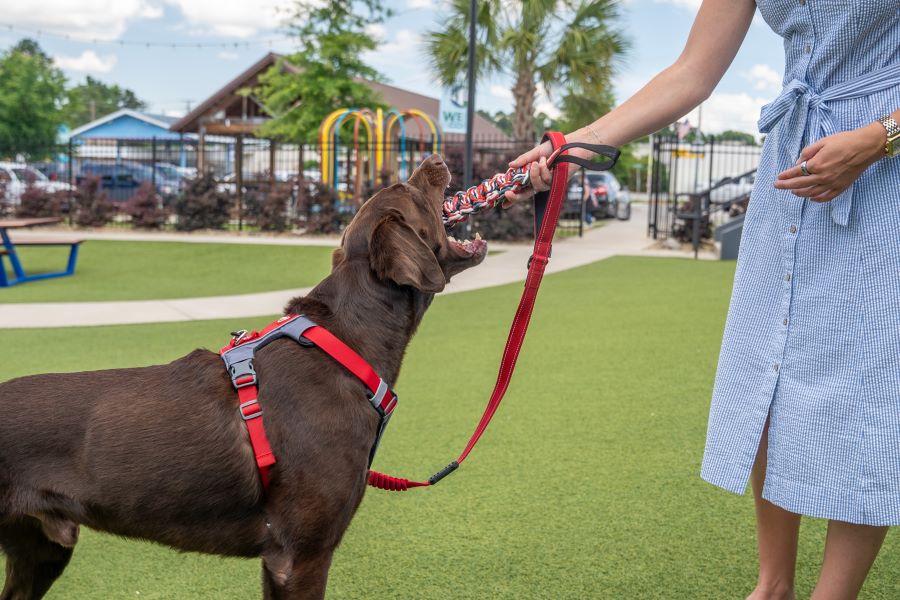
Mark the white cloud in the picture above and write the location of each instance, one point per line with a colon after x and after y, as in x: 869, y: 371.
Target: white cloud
x: 376, y: 30
x: 174, y: 113
x: 401, y: 57
x: 230, y: 18
x: 86, y: 62
x: 85, y: 20
x: 415, y: 4
x: 502, y: 92
x: 729, y: 111
x: 764, y: 78
x: 228, y: 55
x: 690, y: 4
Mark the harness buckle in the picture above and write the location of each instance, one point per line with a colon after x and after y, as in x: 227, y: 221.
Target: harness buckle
x: 242, y: 373
x: 238, y: 336
x: 249, y: 416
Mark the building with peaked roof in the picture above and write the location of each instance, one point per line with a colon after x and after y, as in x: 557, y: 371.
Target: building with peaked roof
x: 228, y: 112
x: 127, y: 123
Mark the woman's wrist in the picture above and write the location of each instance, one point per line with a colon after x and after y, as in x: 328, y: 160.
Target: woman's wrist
x: 876, y: 135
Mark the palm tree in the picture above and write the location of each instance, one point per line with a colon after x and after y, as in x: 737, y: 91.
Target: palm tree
x: 569, y: 47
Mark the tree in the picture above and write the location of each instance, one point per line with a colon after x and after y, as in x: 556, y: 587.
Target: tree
x: 504, y: 121
x: 31, y: 93
x: 569, y: 47
x: 93, y: 98
x: 326, y: 73
x: 736, y: 136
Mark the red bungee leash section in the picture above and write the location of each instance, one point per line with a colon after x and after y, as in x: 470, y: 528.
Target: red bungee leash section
x: 547, y: 206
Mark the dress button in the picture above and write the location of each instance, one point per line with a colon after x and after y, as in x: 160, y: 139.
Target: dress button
x: 784, y: 322
x: 808, y: 49
x: 802, y: 2
x: 787, y: 277
x: 793, y: 229
x: 775, y: 366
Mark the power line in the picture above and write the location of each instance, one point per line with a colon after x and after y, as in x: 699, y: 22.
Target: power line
x: 145, y: 43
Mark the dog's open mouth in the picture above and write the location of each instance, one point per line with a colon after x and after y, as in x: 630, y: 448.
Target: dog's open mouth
x: 468, y: 248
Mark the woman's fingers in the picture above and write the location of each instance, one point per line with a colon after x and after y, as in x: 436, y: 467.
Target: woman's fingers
x: 799, y: 182
x: 540, y: 179
x: 532, y: 155
x: 811, y: 150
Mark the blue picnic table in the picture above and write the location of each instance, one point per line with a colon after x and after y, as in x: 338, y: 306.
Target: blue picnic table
x: 9, y: 250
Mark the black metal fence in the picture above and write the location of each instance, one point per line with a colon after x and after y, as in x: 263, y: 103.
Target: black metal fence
x: 694, y: 184
x: 250, y: 172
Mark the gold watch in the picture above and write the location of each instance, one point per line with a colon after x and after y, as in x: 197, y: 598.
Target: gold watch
x: 892, y: 147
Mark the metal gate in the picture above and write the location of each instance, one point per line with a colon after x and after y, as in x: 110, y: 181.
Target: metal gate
x: 696, y: 183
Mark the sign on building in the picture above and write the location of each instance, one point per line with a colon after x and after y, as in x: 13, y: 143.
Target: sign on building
x: 453, y: 110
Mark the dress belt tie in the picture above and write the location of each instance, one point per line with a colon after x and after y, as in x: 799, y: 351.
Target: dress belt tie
x: 818, y: 119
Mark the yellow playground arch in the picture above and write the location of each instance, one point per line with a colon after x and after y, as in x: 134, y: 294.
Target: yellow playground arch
x: 385, y: 152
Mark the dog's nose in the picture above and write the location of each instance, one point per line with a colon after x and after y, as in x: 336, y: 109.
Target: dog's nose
x: 436, y: 160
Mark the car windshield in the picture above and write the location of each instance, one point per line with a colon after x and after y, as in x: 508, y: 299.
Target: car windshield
x: 596, y: 179
x: 27, y: 174
x: 168, y: 171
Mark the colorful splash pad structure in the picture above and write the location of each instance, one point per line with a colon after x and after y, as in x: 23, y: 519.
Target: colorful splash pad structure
x: 380, y: 152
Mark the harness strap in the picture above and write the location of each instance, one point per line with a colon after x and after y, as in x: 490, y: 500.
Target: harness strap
x: 547, y: 209
x: 238, y: 356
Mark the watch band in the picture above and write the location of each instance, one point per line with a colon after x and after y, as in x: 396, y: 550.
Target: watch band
x: 892, y: 147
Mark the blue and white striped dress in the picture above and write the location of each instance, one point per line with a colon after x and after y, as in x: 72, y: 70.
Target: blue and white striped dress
x: 812, y: 339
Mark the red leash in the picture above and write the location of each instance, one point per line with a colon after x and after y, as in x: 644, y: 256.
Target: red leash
x: 547, y: 209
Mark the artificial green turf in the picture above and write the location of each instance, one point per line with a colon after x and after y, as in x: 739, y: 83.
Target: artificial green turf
x: 112, y: 270
x: 585, y: 486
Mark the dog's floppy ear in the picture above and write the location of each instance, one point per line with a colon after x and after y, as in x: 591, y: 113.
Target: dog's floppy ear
x: 397, y: 253
x: 337, y: 257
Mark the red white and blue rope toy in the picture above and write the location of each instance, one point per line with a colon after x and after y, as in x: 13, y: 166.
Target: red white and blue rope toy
x: 486, y: 194
x: 490, y: 192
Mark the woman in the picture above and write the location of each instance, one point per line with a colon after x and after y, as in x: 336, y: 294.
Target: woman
x: 807, y: 395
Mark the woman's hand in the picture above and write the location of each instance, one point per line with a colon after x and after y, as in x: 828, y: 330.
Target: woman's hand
x: 833, y: 163
x: 539, y: 175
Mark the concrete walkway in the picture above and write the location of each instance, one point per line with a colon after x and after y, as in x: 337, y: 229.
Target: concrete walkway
x: 614, y: 238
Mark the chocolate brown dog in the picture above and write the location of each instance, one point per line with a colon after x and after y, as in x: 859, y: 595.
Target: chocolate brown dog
x: 161, y: 453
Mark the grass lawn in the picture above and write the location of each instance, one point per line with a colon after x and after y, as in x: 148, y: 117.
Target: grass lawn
x: 586, y: 486
x: 113, y: 270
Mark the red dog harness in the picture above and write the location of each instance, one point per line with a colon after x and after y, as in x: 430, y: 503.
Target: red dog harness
x: 238, y: 356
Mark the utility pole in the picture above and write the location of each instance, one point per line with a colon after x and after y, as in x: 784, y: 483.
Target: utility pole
x: 470, y: 106
x: 465, y: 227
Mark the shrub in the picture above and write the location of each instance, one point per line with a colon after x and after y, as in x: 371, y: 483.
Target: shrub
x: 267, y: 208
x: 6, y: 207
x: 37, y: 202
x: 146, y: 208
x: 319, y: 210
x: 92, y: 205
x: 515, y: 223
x: 203, y: 205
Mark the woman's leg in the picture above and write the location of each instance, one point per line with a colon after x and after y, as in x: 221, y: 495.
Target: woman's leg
x: 777, y: 531
x: 850, y: 551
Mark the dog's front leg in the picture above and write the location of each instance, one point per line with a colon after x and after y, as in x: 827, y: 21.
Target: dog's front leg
x: 287, y: 577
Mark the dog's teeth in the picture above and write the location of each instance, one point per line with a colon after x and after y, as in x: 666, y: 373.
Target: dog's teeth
x: 477, y: 236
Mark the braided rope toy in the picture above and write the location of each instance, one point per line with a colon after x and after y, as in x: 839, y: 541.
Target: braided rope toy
x: 486, y: 194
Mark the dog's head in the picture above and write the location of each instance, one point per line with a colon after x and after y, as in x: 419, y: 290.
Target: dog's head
x: 401, y: 233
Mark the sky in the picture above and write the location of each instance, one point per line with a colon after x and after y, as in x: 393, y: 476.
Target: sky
x: 217, y: 39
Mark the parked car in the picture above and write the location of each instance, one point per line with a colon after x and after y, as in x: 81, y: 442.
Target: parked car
x: 730, y: 189
x: 121, y: 179
x: 605, y: 196
x: 175, y: 173
x: 18, y: 176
